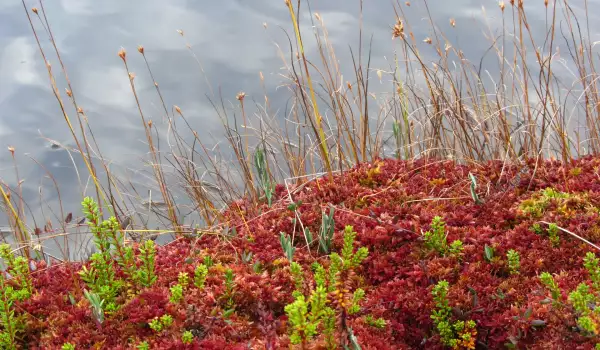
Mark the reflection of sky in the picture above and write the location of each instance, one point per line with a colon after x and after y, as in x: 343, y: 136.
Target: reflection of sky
x: 228, y: 37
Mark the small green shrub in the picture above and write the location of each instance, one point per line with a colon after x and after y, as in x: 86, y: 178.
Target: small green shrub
x: 183, y: 279
x: 18, y: 268
x: 357, y: 297
x: 200, y: 275
x: 553, y: 235
x: 143, y: 346
x: 208, y: 261
x: 298, y: 276
x: 166, y: 320
x: 456, y: 248
x: 514, y: 261
x: 328, y: 303
x: 229, y: 290
x: 583, y: 299
x: 160, y: 324
x: 100, y: 277
x: 305, y: 316
x: 176, y: 294
x: 12, y: 325
x: 435, y: 239
x: 455, y: 334
x: 20, y: 289
x: 146, y: 276
x: 549, y: 282
x: 67, y: 346
x: 592, y: 265
x: 155, y: 325
x: 375, y: 323
x: 537, y: 229
x: 187, y: 337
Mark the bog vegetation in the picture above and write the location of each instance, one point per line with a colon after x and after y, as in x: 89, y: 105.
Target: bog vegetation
x: 478, y: 229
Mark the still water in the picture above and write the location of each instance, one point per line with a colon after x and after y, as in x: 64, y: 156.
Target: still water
x: 234, y: 40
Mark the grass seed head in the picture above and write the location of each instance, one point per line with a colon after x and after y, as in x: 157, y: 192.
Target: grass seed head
x: 398, y: 29
x: 122, y: 53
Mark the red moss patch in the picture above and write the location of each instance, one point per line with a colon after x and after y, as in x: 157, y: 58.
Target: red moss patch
x: 390, y: 205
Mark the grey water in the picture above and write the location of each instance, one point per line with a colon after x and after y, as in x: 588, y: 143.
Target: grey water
x: 234, y: 40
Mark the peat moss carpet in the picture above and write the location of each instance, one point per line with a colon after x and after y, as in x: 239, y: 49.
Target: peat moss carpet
x: 464, y: 256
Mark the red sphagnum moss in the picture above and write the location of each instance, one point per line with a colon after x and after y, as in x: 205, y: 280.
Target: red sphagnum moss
x: 390, y: 204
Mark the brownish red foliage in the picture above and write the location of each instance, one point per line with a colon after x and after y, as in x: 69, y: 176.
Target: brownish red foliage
x: 390, y: 204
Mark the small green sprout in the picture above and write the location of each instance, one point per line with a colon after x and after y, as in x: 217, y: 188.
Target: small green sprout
x: 537, y: 229
x: 200, y: 276
x: 208, y: 261
x: 456, y: 248
x: 455, y: 333
x: 183, y: 279
x: 159, y: 324
x: 156, y: 325
x: 187, y: 337
x: 548, y: 281
x: 287, y: 245
x: 376, y: 323
x: 297, y: 275
x: 553, y: 235
x: 514, y: 261
x: 176, y: 294
x: 166, y: 320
